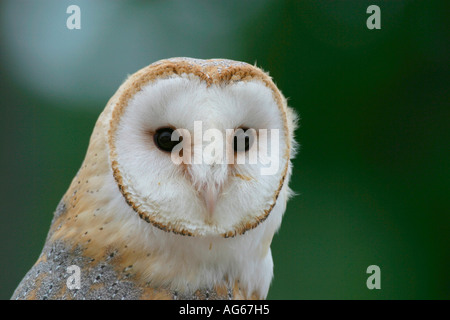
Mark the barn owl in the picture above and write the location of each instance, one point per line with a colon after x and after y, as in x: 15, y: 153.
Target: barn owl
x: 138, y: 224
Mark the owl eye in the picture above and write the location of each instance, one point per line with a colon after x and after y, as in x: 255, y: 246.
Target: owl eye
x: 163, y: 139
x: 243, y: 139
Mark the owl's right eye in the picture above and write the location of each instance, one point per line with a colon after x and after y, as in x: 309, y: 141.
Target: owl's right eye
x: 163, y: 139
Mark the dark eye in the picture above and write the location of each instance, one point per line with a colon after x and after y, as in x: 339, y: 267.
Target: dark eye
x: 163, y: 139
x: 243, y: 139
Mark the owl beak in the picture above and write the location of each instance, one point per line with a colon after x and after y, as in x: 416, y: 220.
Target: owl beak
x: 208, y: 180
x: 210, y: 195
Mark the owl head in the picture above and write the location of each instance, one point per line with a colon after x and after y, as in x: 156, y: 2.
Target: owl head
x: 201, y: 147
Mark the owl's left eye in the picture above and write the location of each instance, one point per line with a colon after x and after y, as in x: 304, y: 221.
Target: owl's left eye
x: 163, y: 139
x: 243, y: 139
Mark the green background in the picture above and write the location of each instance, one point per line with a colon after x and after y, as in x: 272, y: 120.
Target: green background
x: 372, y: 174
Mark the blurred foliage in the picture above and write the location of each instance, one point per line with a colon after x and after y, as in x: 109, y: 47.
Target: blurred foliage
x: 372, y: 174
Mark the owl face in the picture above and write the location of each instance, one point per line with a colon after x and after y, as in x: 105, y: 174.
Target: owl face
x: 199, y: 152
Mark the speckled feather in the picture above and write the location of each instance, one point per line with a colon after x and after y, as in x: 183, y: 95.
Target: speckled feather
x: 115, y: 263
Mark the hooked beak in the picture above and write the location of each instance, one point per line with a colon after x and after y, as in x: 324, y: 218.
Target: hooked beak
x: 209, y: 183
x: 210, y: 193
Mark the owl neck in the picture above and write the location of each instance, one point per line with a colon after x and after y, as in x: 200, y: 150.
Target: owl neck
x: 153, y: 261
